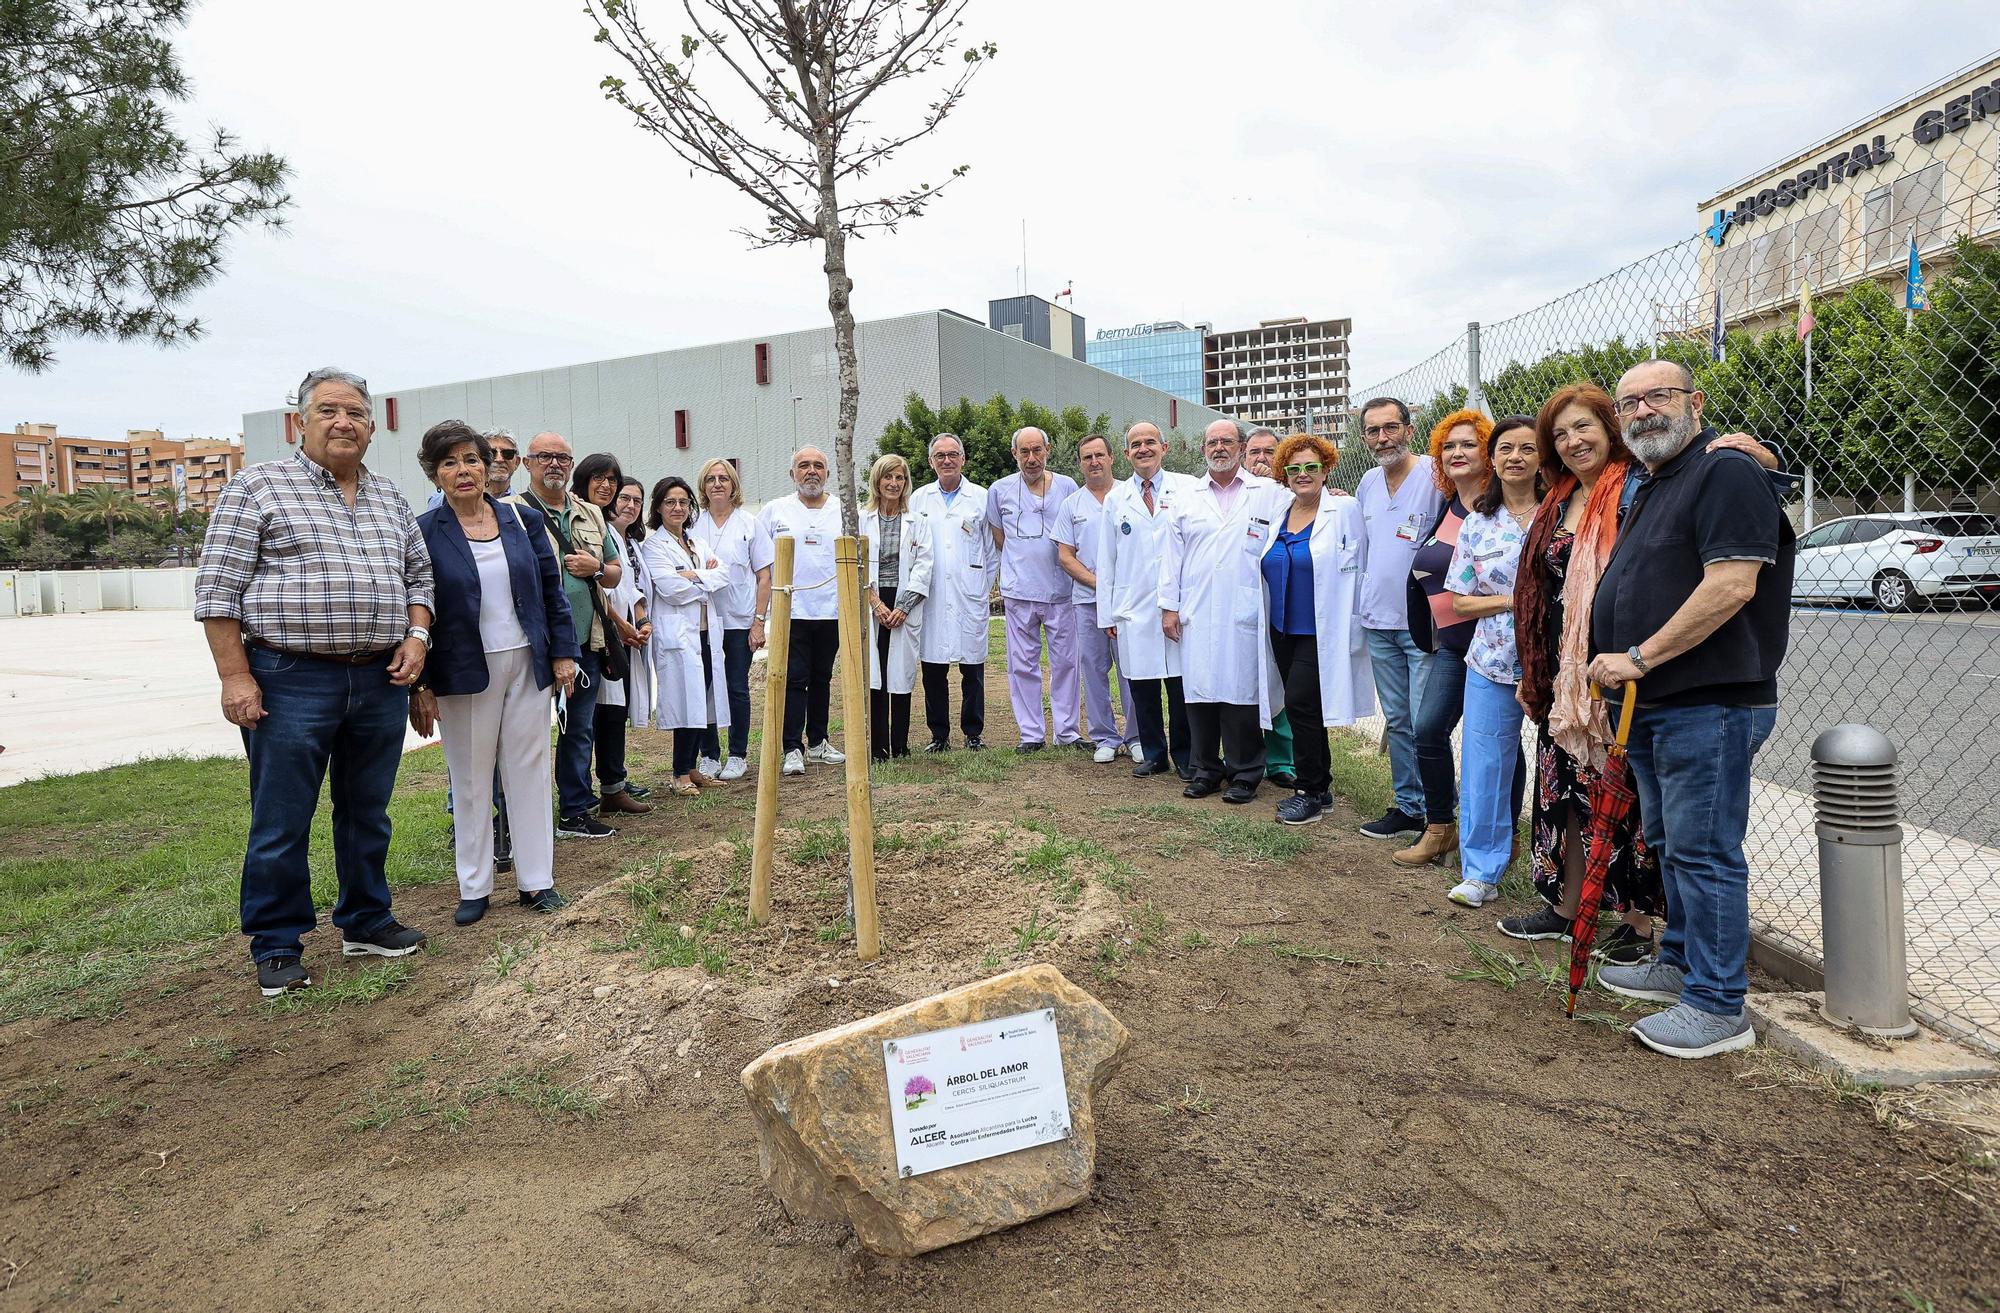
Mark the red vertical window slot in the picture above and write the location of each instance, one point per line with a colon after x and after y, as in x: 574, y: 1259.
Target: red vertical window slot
x: 389, y: 413
x: 1173, y: 413
x: 291, y: 427
x: 681, y: 429
x: 763, y: 363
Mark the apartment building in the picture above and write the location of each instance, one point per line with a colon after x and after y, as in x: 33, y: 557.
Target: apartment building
x: 143, y: 463
x: 1290, y: 374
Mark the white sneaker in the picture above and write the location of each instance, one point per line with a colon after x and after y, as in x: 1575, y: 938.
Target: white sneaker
x: 733, y: 769
x: 823, y: 751
x: 1105, y: 755
x: 795, y: 763
x: 710, y: 767
x: 1473, y: 893
x: 1138, y: 753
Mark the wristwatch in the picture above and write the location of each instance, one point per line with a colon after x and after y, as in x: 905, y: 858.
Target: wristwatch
x: 762, y: 617
x: 418, y: 631
x: 1633, y: 654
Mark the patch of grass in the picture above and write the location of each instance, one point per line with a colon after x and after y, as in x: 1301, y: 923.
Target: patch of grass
x: 1239, y: 838
x: 1033, y: 933
x: 833, y: 931
x: 1148, y: 930
x: 357, y: 988
x: 990, y: 962
x: 674, y: 930
x: 113, y: 878
x: 1193, y: 1102
x: 1303, y: 953
x: 432, y: 1092
x: 818, y: 844
x: 1360, y: 773
x: 1195, y: 939
x: 1489, y: 965
x: 214, y: 1050
x: 30, y: 1097
x: 508, y: 954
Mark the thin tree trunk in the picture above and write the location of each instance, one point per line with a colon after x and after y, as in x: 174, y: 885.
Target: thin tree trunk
x: 838, y: 288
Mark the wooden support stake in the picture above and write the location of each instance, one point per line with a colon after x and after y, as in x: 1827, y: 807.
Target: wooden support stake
x: 771, y: 752
x: 854, y: 730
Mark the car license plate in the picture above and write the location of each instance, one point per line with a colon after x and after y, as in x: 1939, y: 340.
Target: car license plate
x: 1985, y: 549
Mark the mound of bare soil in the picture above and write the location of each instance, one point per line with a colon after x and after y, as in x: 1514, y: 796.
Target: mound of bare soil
x: 651, y: 976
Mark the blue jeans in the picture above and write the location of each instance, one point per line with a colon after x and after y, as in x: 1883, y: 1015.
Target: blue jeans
x: 320, y: 717
x: 1399, y: 685
x: 1492, y: 761
x: 1438, y: 715
x: 1692, y: 769
x: 574, y: 743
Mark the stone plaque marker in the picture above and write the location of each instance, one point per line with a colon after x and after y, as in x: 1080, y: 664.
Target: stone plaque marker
x: 824, y: 1117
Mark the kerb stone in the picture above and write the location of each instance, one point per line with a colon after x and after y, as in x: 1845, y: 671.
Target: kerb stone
x: 822, y: 1109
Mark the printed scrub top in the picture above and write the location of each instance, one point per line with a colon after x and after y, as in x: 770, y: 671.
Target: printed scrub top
x: 1484, y: 564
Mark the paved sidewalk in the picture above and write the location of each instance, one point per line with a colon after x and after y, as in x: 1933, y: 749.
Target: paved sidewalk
x: 1950, y: 929
x: 81, y: 692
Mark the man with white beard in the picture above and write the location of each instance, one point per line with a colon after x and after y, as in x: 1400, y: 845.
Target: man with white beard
x: 811, y: 518
x: 953, y: 509
x: 1400, y: 502
x: 1137, y: 515
x: 1694, y: 607
x: 1210, y: 580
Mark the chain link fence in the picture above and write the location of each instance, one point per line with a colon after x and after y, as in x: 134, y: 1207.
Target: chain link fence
x: 1889, y: 413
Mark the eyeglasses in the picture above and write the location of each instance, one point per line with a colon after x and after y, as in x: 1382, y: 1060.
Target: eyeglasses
x: 1656, y: 398
x: 1389, y: 430
x: 1304, y: 467
x: 551, y: 458
x: 505, y: 453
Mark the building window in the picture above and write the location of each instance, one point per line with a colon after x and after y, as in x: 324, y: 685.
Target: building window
x: 763, y: 363
x: 389, y: 408
x: 1917, y: 200
x: 1876, y: 242
x: 681, y: 430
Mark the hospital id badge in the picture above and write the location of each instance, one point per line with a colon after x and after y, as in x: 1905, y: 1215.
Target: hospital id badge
x: 1407, y: 532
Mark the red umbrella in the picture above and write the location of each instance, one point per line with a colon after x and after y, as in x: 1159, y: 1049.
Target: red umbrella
x: 1611, y: 799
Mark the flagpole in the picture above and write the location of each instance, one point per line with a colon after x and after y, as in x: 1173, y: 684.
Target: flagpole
x: 1909, y: 289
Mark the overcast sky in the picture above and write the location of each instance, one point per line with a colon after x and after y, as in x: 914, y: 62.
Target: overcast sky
x: 467, y: 204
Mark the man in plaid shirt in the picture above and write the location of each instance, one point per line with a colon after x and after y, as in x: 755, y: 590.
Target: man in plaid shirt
x: 315, y: 592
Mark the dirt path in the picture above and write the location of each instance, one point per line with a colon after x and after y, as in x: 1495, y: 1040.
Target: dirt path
x: 1316, y: 1114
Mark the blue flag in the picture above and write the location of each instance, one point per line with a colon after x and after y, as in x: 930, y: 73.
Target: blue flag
x: 1914, y: 296
x: 1715, y: 351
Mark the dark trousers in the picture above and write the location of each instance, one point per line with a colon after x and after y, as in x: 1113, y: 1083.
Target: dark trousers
x: 689, y: 744
x: 888, y: 713
x: 1298, y: 666
x: 1161, y: 743
x: 322, y: 719
x: 736, y: 679
x: 971, y: 700
x: 577, y: 739
x: 1443, y: 706
x: 809, y: 681
x: 608, y: 746
x: 1225, y: 740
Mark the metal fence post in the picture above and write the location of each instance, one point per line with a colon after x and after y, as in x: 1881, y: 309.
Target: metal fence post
x: 1475, y: 394
x: 1861, y: 881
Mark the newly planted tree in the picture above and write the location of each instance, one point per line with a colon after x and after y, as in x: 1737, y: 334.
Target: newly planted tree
x: 774, y: 97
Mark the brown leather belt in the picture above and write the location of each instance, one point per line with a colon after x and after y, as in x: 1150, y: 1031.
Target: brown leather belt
x: 342, y: 659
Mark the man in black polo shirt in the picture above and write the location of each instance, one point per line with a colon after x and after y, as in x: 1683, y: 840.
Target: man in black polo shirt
x: 1695, y: 605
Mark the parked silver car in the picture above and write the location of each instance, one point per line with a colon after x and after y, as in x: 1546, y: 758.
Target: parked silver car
x: 1895, y: 559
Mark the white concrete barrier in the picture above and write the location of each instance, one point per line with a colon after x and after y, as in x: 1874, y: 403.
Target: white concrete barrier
x: 116, y: 588
x: 77, y: 591
x: 10, y: 601
x: 167, y: 589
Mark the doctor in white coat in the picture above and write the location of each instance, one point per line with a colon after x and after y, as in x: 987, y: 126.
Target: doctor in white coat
x: 953, y: 511
x: 1137, y: 515
x: 1212, y: 603
x: 899, y: 578
x: 1312, y: 583
x: 690, y: 692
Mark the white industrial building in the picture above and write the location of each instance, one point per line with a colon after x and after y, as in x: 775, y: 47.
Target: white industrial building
x: 753, y: 400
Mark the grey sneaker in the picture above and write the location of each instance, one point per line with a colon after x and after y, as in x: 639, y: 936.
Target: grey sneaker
x: 1655, y: 981
x: 1688, y: 1032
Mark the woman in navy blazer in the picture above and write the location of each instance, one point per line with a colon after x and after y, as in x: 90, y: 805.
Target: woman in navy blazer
x: 501, y: 634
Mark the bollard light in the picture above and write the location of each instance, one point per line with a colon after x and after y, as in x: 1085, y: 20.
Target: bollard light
x: 1861, y: 881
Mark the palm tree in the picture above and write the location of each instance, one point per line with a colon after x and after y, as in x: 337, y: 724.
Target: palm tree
x: 37, y: 505
x: 103, y: 501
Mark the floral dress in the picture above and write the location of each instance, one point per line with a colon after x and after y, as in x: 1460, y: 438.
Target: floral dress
x: 1562, y: 791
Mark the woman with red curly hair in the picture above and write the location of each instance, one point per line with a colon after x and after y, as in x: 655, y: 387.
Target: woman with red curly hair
x: 1312, y: 582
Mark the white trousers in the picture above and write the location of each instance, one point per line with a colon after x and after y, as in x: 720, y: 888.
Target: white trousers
x: 507, y: 724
